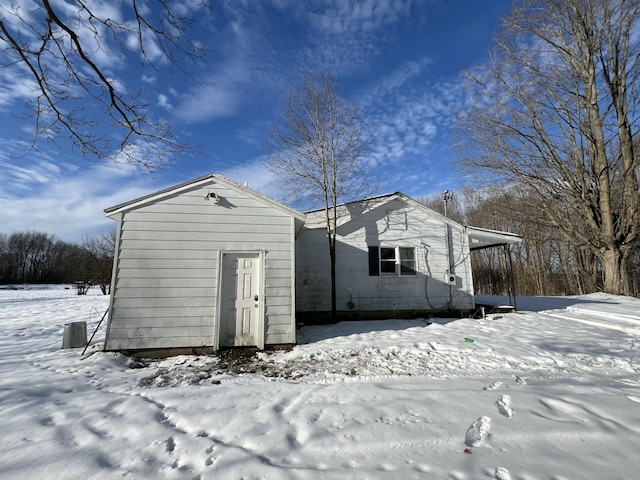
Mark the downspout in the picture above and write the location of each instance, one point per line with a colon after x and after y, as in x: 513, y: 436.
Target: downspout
x: 511, y: 283
x: 449, y: 264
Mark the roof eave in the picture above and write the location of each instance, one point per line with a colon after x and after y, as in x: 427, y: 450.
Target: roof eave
x: 480, y: 238
x: 112, y: 212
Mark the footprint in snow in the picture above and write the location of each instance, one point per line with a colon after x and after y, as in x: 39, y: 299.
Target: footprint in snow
x: 477, y: 432
x: 502, y: 474
x: 494, y: 386
x: 170, y: 445
x: 504, y: 406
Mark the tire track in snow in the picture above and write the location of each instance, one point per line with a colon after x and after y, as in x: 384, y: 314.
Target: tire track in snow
x: 594, y: 323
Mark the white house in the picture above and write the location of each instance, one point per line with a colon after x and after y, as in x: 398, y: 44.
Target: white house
x: 206, y: 264
x: 394, y: 256
x: 210, y: 264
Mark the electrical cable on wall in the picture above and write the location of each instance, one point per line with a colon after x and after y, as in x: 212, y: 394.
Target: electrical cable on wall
x: 427, y: 276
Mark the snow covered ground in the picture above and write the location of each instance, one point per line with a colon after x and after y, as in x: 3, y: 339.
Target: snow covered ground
x: 552, y: 392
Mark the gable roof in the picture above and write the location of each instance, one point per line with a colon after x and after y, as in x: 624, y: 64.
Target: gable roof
x: 478, y: 237
x: 352, y: 210
x: 210, y: 178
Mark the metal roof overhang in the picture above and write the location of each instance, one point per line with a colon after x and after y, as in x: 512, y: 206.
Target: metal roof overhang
x: 480, y: 238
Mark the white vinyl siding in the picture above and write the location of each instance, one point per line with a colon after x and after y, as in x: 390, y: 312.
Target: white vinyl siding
x: 425, y: 235
x: 167, y: 267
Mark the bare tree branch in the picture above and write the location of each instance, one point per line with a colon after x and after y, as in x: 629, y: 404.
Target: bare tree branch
x: 556, y: 110
x: 56, y: 46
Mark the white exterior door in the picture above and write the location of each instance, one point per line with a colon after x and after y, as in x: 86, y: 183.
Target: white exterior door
x: 240, y: 322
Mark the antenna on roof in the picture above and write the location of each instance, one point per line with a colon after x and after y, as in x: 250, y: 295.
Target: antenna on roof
x: 446, y: 196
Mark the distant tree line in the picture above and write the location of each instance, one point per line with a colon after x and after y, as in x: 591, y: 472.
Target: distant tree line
x: 545, y: 263
x: 37, y: 257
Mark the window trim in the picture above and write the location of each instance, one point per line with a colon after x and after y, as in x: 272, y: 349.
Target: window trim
x: 376, y: 261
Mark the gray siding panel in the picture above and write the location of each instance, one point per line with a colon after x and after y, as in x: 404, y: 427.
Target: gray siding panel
x: 200, y: 220
x: 133, y: 291
x: 207, y: 255
x: 150, y: 315
x: 160, y: 332
x: 228, y: 241
x: 183, y: 301
x: 207, y: 236
x: 154, y: 287
x: 174, y: 273
x: 145, y: 342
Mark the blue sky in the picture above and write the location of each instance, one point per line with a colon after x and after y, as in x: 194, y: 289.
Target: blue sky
x: 399, y: 60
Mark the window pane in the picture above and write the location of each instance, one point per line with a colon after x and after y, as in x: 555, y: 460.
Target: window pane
x: 407, y: 269
x: 388, y: 266
x: 388, y: 253
x: 407, y: 261
x: 407, y: 253
x: 388, y: 260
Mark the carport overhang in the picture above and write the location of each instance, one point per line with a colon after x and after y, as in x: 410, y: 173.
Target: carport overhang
x: 480, y: 238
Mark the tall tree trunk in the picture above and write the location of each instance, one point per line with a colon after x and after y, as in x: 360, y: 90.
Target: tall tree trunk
x: 616, y: 274
x: 332, y: 255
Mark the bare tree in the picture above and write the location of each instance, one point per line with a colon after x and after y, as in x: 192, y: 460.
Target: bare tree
x: 31, y: 257
x: 556, y: 110
x: 545, y: 263
x: 318, y: 152
x: 446, y: 203
x: 54, y: 48
x: 100, y: 250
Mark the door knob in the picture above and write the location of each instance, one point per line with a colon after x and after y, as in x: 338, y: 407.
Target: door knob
x: 255, y: 298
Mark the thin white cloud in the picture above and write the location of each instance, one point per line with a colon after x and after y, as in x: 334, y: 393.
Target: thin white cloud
x: 24, y: 178
x: 17, y: 86
x: 163, y: 101
x: 396, y: 81
x: 344, y: 36
x: 150, y: 79
x: 339, y: 17
x: 216, y: 98
x: 408, y: 114
x: 63, y: 199
x: 67, y: 200
x: 256, y: 176
x: 24, y: 20
x: 341, y: 36
x: 224, y: 89
x: 189, y: 7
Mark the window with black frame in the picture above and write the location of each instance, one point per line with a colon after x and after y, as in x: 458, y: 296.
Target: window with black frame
x: 390, y: 261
